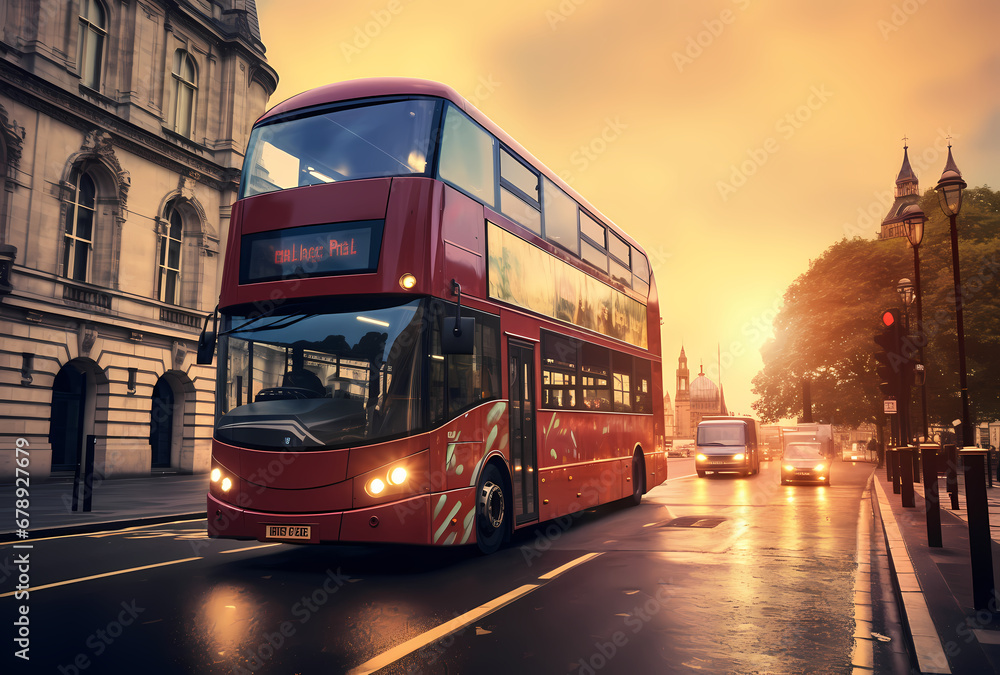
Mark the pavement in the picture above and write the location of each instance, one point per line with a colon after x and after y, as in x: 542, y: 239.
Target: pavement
x: 933, y: 586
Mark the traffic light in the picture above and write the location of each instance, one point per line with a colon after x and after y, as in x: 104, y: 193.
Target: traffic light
x: 889, y: 355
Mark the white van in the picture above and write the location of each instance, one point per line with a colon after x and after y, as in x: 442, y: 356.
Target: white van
x: 727, y: 445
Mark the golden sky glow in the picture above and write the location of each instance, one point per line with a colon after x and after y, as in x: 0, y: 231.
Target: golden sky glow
x: 734, y: 139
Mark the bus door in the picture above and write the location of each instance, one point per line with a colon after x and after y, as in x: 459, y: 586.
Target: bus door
x: 521, y: 356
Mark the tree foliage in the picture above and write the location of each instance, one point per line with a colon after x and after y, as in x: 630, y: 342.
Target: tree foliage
x: 825, y: 329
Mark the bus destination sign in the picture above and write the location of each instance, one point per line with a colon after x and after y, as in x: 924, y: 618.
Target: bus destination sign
x: 311, y: 251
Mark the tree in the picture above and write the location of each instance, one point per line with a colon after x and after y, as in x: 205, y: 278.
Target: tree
x: 825, y: 330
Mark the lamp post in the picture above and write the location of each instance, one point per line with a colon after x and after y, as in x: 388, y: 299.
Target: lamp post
x: 905, y: 290
x: 949, y: 190
x: 914, y: 219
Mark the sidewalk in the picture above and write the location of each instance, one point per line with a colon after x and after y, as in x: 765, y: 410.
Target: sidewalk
x: 934, y: 585
x: 116, y: 504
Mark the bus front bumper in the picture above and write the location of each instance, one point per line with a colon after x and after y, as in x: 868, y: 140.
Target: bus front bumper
x: 405, y: 521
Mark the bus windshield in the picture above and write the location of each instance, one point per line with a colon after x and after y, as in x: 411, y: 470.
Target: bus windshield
x: 306, y: 381
x: 330, y: 145
x: 721, y: 434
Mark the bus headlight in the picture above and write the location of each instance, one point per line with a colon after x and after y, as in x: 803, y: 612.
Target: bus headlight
x: 376, y: 486
x: 739, y: 457
x: 397, y: 476
x: 701, y: 458
x: 407, y: 281
x: 226, y: 484
x: 216, y: 475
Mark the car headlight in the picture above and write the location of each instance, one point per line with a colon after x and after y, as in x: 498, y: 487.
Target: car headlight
x: 739, y: 457
x: 819, y: 467
x: 701, y: 458
x: 788, y: 467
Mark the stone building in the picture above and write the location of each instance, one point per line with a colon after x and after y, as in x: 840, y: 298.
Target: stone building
x: 122, y: 131
x: 907, y: 193
x: 694, y: 400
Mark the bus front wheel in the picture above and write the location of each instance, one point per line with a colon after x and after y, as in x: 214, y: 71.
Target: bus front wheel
x: 491, y: 512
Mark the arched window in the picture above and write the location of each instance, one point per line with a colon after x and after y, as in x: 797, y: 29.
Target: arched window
x: 185, y: 92
x: 171, y: 240
x: 93, y: 30
x: 79, y: 235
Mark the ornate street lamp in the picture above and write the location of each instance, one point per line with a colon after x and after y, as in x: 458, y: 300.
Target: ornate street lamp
x: 949, y: 189
x: 914, y: 219
x: 905, y: 289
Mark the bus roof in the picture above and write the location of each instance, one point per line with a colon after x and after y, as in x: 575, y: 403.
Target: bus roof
x: 407, y: 86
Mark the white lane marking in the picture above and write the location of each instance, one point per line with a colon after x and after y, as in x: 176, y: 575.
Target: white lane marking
x: 420, y: 641
x: 101, y: 576
x: 102, y: 533
x: 568, y: 566
x: 251, y: 548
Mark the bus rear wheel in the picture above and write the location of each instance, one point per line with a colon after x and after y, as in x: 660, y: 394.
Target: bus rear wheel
x: 491, y: 506
x: 638, y: 479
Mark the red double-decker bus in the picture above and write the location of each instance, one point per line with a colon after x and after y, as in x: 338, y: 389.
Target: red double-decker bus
x: 426, y: 336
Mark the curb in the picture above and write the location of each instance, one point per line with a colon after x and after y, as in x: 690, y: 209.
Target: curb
x: 917, y: 621
x: 88, y: 528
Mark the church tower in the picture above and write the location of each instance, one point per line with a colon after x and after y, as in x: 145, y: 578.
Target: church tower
x: 682, y: 400
x: 907, y: 193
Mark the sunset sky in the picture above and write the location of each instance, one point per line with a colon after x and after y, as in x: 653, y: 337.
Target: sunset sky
x: 734, y: 139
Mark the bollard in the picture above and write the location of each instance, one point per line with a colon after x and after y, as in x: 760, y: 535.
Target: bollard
x: 887, y: 460
x: 894, y: 459
x: 932, y: 501
x: 88, y: 474
x: 906, y: 476
x: 915, y: 457
x: 951, y: 477
x: 980, y: 541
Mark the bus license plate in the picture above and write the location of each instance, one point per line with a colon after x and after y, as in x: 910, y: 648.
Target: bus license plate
x: 289, y: 532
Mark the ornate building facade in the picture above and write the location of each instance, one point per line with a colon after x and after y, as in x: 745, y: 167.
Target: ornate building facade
x: 122, y: 131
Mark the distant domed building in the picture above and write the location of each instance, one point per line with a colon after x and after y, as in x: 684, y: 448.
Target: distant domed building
x: 695, y: 401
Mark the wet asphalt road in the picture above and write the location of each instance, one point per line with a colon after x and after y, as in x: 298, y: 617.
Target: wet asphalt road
x: 714, y: 575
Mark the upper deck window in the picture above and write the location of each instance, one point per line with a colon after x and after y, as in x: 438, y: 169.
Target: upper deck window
x: 367, y: 141
x: 561, y: 218
x: 467, y: 156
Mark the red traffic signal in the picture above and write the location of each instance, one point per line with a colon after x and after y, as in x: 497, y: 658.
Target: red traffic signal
x: 888, y: 356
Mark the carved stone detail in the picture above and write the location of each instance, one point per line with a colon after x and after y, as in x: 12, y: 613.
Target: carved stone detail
x: 14, y: 135
x: 98, y: 143
x: 87, y: 336
x: 178, y: 354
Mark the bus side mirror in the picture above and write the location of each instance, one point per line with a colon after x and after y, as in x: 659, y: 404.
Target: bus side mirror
x: 458, y: 335
x: 206, y: 341
x: 206, y: 348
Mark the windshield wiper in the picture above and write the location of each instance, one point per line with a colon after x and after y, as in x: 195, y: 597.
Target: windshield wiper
x: 279, y: 323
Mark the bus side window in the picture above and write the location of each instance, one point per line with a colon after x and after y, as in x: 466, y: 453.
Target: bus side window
x: 467, y: 157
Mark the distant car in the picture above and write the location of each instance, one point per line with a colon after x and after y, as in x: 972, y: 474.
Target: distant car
x: 805, y: 462
x: 765, y: 453
x: 684, y: 450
